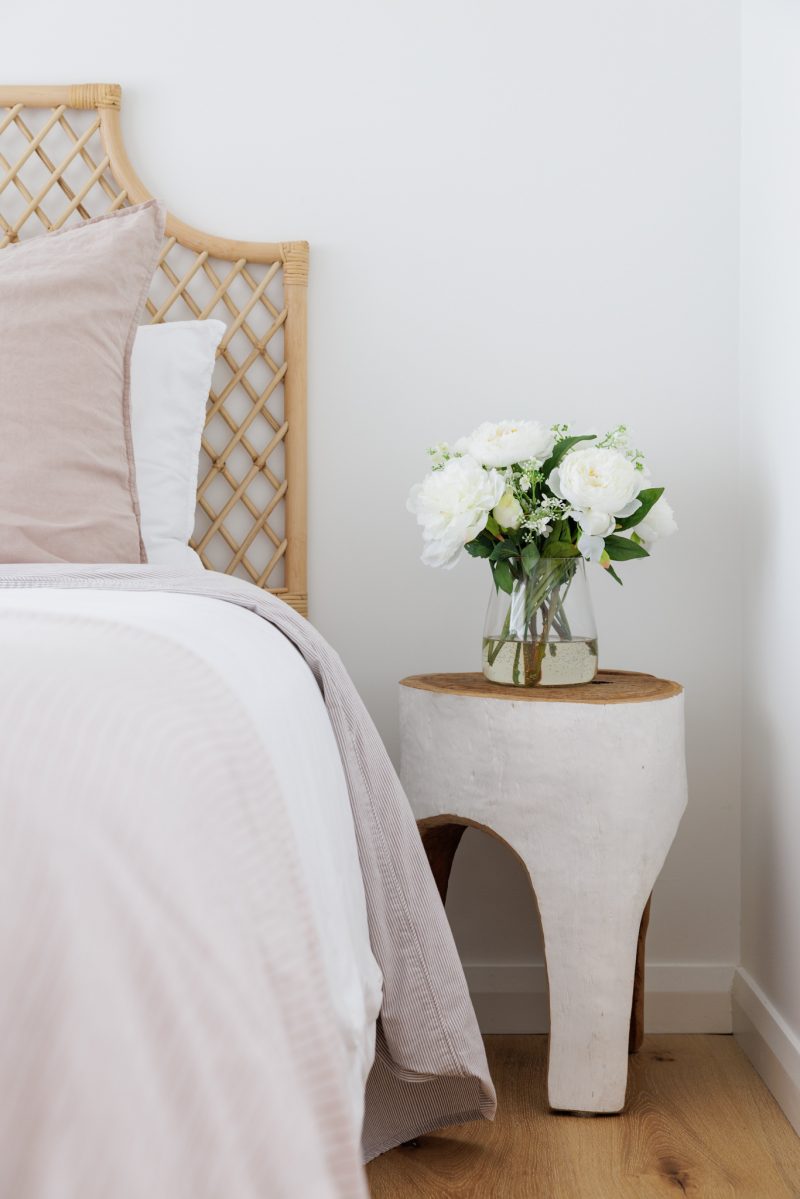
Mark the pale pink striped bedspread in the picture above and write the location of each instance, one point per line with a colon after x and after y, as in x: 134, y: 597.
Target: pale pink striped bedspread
x: 164, y: 1028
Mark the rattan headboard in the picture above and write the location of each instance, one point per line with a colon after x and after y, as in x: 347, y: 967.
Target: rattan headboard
x: 63, y: 160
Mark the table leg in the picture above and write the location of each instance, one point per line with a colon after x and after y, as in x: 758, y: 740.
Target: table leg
x: 441, y: 842
x: 636, y: 1034
x: 595, y: 977
x: 591, y: 939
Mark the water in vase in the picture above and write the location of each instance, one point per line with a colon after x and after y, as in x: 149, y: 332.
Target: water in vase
x: 526, y: 664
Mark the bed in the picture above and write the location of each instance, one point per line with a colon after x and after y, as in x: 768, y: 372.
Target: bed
x: 225, y: 966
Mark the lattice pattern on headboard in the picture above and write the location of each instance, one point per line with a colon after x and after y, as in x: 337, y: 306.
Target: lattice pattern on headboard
x: 62, y: 160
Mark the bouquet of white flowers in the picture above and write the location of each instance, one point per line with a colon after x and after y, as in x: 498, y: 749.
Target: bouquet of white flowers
x: 532, y: 501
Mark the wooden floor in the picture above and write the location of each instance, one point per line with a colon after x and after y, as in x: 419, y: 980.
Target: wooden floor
x: 699, y: 1121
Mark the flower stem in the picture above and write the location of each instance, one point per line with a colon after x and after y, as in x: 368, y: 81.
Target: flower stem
x: 548, y: 615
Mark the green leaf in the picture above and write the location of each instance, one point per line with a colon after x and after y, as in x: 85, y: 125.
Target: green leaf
x: 621, y: 549
x: 605, y: 562
x: 503, y: 550
x: 560, y: 449
x: 646, y: 498
x: 530, y: 556
x: 478, y: 548
x: 560, y: 549
x: 503, y: 578
x: 493, y: 526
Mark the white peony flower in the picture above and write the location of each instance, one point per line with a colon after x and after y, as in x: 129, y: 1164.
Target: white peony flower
x: 508, y: 513
x: 659, y: 522
x: 452, y: 506
x: 600, y: 484
x: 507, y: 442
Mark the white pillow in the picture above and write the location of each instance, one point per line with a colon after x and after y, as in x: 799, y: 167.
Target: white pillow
x: 171, y: 369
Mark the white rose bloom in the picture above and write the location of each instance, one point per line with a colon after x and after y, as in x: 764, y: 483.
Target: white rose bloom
x: 600, y: 484
x: 508, y: 513
x: 452, y: 506
x: 507, y: 442
x: 659, y: 522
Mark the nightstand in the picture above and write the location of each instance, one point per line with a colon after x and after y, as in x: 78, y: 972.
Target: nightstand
x: 587, y: 786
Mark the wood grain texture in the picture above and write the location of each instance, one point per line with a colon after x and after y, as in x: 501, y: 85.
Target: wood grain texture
x: 609, y: 687
x: 699, y: 1122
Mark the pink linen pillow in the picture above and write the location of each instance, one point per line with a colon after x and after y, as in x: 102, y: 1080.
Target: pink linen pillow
x: 70, y: 303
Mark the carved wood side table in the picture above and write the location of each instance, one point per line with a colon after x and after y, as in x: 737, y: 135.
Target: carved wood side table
x: 587, y: 785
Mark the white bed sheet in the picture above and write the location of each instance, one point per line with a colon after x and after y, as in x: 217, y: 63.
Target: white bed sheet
x: 284, y: 704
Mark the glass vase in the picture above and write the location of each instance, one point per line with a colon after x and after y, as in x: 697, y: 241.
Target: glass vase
x: 543, y: 633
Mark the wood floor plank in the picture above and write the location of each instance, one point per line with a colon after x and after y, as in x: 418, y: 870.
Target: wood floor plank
x: 699, y: 1122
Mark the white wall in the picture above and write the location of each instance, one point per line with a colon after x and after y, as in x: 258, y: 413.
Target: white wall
x: 515, y: 208
x: 769, y: 985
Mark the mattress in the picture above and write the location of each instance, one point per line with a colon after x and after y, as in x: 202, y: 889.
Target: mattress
x: 278, y: 693
x: 183, y: 928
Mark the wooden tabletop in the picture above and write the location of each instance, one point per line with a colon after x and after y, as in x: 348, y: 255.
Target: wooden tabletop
x: 610, y: 687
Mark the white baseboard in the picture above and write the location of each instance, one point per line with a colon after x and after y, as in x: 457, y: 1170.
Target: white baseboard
x: 693, y: 997
x: 772, y: 1046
